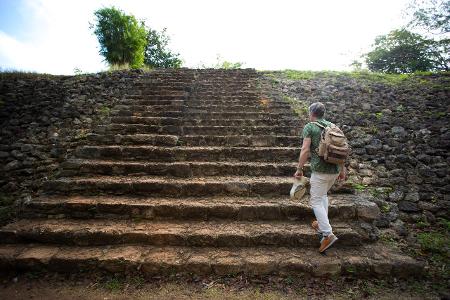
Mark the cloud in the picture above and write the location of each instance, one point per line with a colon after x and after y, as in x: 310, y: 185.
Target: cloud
x: 10, y: 52
x: 60, y: 40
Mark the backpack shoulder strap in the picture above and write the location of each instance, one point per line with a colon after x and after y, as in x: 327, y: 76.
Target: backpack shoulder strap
x: 320, y: 125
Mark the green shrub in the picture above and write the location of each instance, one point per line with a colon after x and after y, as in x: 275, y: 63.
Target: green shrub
x: 436, y: 242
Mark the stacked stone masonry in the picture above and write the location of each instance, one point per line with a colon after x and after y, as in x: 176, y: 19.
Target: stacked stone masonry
x: 400, y: 136
x: 189, y: 171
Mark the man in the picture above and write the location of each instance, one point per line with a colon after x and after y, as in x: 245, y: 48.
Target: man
x: 323, y: 175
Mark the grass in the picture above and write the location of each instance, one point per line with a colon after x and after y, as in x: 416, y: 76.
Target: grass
x: 434, y: 242
x: 21, y: 74
x: 444, y: 223
x: 124, y: 67
x: 114, y: 284
x: 81, y: 134
x: 434, y: 246
x: 359, y: 187
x: 389, y: 240
x: 52, y: 286
x: 419, y: 78
x: 400, y: 108
x: 372, y: 129
x: 104, y: 111
x: 299, y: 107
x: 385, y: 208
x: 380, y: 191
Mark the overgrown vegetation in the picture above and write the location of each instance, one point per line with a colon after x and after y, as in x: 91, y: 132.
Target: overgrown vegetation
x: 402, y: 51
x: 222, y: 64
x: 433, y: 246
x: 416, y: 78
x: 13, y: 73
x: 157, y: 54
x: 422, y: 44
x: 434, y: 241
x: 125, y: 41
x: 299, y: 107
x: 122, y: 38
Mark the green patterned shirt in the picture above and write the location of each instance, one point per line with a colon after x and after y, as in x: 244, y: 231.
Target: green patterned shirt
x: 317, y: 163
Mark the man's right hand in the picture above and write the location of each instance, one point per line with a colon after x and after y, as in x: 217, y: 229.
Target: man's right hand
x: 342, y: 175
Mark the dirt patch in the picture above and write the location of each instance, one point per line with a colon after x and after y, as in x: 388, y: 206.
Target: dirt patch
x: 96, y: 286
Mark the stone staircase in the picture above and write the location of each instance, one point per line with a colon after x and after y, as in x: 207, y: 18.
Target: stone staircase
x: 192, y: 175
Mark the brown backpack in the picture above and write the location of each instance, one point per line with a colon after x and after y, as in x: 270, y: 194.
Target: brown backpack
x: 333, y: 146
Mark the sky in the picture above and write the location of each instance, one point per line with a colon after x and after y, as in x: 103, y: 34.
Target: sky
x: 53, y: 36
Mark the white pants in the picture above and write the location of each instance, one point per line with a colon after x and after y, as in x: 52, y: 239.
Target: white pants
x: 320, y: 185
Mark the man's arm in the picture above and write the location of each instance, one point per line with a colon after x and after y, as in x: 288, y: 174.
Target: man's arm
x: 303, y: 158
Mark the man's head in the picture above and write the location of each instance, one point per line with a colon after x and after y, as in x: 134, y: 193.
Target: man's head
x: 316, y: 111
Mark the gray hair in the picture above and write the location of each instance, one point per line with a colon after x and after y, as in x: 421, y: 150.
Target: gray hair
x: 317, y: 109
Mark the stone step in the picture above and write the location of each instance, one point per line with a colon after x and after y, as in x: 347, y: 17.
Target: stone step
x: 157, y: 98
x: 134, y: 139
x: 239, y: 108
x: 342, y: 208
x: 138, y: 129
x: 225, y: 91
x: 245, y: 106
x: 293, y: 122
x: 156, y: 186
x: 206, y: 108
x: 153, y: 153
x: 238, y: 115
x: 196, y: 130
x: 157, y: 93
x: 219, y: 91
x: 148, y: 108
x: 213, y: 233
x: 205, y: 122
x: 146, y: 120
x: 241, y: 141
x: 186, y: 169
x: 175, y: 102
x: 203, y: 115
x: 169, y: 100
x: 174, y: 113
x: 176, y: 89
x: 234, y: 101
x: 195, y: 140
x: 241, y: 130
x: 374, y: 260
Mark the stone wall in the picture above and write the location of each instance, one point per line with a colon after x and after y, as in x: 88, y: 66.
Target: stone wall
x: 44, y: 117
x: 399, y: 132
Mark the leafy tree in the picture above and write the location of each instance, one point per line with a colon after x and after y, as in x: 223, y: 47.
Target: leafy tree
x: 157, y: 55
x: 440, y: 54
x: 122, y: 38
x: 402, y: 51
x: 430, y: 15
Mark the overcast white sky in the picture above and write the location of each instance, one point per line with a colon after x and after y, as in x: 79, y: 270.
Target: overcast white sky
x: 53, y: 36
